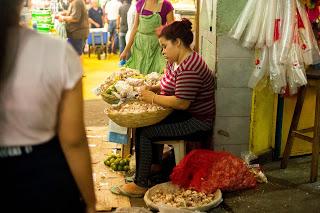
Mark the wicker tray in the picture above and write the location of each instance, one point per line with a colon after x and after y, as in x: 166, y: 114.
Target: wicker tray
x: 168, y: 187
x: 135, y: 120
x: 110, y: 99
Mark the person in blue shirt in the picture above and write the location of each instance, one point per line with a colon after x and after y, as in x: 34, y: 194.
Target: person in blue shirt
x: 95, y: 14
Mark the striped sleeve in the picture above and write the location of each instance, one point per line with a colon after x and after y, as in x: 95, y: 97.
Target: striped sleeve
x: 188, y: 84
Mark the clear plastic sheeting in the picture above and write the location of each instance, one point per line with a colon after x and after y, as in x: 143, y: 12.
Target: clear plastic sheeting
x: 262, y: 32
x: 262, y: 65
x: 252, y: 33
x: 282, y: 35
x: 243, y: 20
x: 289, y: 22
x: 272, y: 5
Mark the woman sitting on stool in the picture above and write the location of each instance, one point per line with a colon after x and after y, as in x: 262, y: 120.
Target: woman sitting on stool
x: 188, y: 88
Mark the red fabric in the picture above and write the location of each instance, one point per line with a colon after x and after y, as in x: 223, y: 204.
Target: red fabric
x: 207, y: 171
x: 313, y: 14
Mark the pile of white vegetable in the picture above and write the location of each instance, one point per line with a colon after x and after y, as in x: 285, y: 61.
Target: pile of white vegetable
x: 182, y: 198
x: 126, y: 83
x: 136, y: 107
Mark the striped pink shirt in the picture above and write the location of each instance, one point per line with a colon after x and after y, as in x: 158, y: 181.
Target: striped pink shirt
x: 193, y: 81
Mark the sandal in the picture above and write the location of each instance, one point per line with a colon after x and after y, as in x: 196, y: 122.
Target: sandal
x: 118, y: 190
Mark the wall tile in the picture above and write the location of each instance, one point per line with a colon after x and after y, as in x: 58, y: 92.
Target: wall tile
x: 231, y: 130
x: 234, y: 72
x: 233, y: 101
x: 231, y: 48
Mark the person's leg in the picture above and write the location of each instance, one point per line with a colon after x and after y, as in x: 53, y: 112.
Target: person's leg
x: 190, y: 128
x: 77, y: 44
x: 111, y: 29
x: 116, y: 42
x: 122, y: 42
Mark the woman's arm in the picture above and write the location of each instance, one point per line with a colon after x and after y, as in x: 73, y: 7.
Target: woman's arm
x: 170, y: 17
x: 165, y: 101
x: 131, y: 39
x: 91, y: 21
x: 74, y: 143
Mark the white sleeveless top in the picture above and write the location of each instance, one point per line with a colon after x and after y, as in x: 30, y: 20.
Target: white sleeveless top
x: 44, y: 68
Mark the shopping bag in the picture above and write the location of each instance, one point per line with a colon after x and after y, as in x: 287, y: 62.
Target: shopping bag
x: 262, y: 65
x: 117, y: 134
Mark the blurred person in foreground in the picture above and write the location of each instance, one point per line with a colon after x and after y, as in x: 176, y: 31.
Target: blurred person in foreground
x: 44, y: 155
x: 188, y: 88
x: 143, y: 43
x: 77, y: 24
x: 95, y: 14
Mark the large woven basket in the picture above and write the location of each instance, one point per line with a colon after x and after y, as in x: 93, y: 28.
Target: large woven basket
x: 135, y: 120
x: 169, y: 188
x: 110, y: 99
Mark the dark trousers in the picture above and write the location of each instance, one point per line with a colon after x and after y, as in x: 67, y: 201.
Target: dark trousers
x: 180, y: 125
x: 38, y: 180
x: 122, y: 41
x: 77, y: 44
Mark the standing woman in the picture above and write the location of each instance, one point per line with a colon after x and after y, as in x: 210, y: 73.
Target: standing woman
x: 44, y: 155
x: 188, y: 88
x: 146, y: 53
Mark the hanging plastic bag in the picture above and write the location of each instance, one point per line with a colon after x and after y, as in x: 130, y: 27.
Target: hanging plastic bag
x: 252, y: 33
x: 296, y: 72
x: 311, y: 53
x: 289, y: 21
x: 272, y: 8
x: 243, y: 20
x: 262, y: 32
x: 277, y: 70
x: 262, y: 65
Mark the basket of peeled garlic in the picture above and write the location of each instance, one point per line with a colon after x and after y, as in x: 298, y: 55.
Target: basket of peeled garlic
x: 172, y: 197
x: 134, y: 114
x: 124, y: 85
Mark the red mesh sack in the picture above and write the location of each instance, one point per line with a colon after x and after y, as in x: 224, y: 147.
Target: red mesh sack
x: 207, y: 171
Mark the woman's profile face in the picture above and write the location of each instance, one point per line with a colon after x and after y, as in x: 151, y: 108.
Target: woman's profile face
x: 169, y: 49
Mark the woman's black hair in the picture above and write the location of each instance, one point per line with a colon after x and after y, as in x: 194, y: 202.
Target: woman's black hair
x: 9, y: 18
x: 178, y: 29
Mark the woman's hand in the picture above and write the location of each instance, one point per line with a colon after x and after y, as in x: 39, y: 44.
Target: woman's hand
x: 124, y: 55
x: 147, y: 96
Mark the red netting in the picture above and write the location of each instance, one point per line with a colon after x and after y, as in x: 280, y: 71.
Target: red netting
x: 207, y: 171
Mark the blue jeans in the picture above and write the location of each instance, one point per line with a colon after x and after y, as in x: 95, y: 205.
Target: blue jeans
x: 122, y: 41
x: 112, y: 29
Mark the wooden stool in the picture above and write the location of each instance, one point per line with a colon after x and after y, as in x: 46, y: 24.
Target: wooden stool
x: 313, y: 77
x: 179, y: 148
